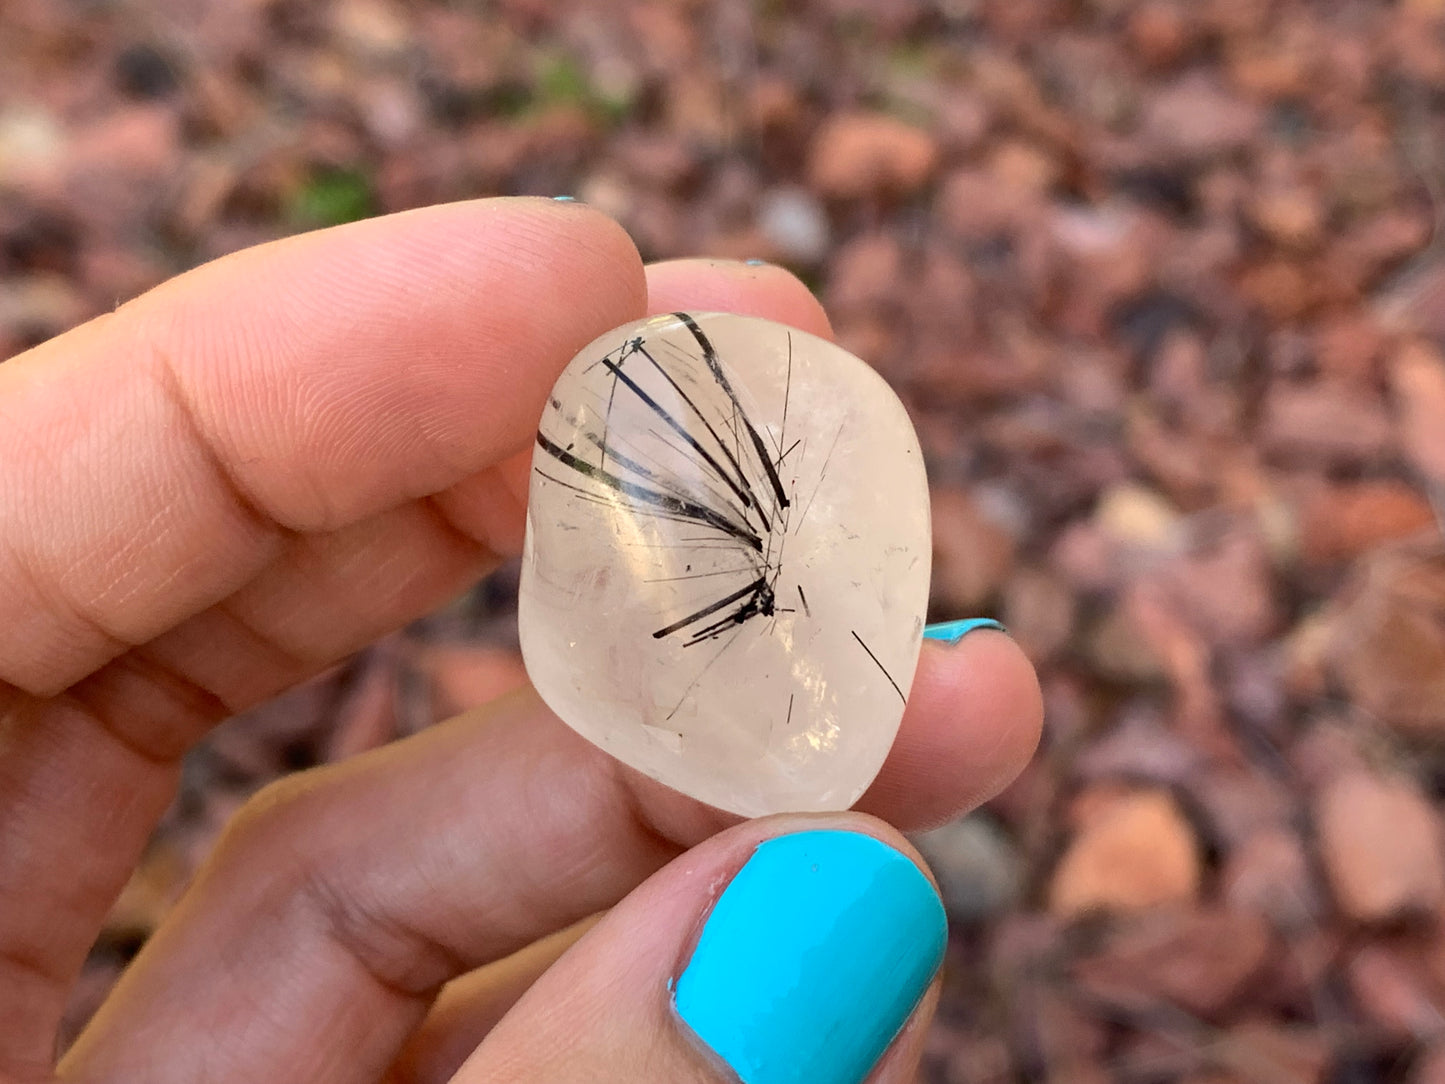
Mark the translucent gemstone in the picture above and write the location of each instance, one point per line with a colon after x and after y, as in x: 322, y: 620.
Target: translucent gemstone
x: 727, y: 560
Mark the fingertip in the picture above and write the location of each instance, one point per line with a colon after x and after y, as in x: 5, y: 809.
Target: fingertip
x: 799, y: 946
x: 600, y: 233
x: 975, y: 714
x: 749, y: 288
x: 537, y: 230
x: 813, y: 958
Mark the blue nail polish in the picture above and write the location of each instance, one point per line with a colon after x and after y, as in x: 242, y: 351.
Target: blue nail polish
x: 564, y: 199
x: 813, y: 959
x: 950, y: 632
x: 756, y: 263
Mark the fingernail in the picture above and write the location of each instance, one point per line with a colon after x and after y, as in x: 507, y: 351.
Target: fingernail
x: 564, y: 199
x: 813, y: 959
x: 755, y: 262
x: 950, y: 632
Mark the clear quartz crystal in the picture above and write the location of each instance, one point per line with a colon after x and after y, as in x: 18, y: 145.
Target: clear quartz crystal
x: 727, y: 560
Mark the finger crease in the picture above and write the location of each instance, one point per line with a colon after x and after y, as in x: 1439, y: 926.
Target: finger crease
x: 29, y: 968
x: 62, y: 608
x: 165, y: 735
x: 101, y: 721
x: 452, y: 529
x: 401, y: 960
x: 637, y: 809
x: 251, y: 509
x: 292, y: 660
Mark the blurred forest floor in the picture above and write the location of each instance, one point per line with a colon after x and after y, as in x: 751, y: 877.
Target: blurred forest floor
x: 1163, y: 284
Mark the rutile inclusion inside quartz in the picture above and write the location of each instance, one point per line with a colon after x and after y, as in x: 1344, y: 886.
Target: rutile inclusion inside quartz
x: 727, y: 560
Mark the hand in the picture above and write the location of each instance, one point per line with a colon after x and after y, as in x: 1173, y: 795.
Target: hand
x: 236, y: 480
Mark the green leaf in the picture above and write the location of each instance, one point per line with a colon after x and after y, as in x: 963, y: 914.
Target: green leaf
x: 334, y: 196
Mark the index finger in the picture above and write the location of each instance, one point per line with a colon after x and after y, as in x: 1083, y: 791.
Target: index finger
x: 154, y: 460
x: 231, y: 453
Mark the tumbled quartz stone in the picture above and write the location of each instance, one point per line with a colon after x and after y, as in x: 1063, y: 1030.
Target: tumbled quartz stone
x: 727, y: 560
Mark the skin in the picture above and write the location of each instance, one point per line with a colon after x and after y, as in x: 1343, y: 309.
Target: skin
x: 257, y: 468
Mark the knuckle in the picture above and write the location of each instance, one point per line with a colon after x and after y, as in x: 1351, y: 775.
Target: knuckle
x: 302, y: 839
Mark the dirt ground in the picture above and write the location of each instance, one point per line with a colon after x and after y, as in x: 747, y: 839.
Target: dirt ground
x: 1163, y: 286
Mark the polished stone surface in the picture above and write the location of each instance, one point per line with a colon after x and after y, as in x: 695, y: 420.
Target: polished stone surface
x: 727, y: 560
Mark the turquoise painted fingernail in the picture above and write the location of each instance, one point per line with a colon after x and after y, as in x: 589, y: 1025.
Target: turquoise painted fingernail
x: 813, y: 959
x: 564, y: 199
x: 755, y: 263
x: 950, y: 632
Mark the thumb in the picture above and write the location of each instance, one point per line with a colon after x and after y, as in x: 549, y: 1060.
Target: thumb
x: 788, y: 950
